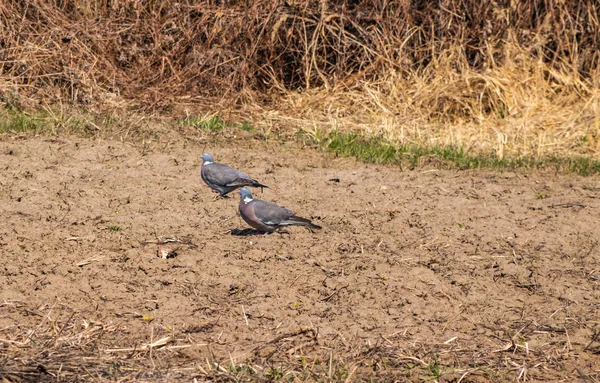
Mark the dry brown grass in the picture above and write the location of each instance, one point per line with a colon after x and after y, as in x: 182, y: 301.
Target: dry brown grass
x: 512, y: 109
x: 516, y: 78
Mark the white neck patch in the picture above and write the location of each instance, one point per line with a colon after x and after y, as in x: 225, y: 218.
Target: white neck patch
x: 247, y: 199
x: 207, y: 163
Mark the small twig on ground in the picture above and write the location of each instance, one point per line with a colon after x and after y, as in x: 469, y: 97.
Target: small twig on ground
x: 159, y: 343
x: 326, y: 299
x: 245, y: 316
x: 90, y: 260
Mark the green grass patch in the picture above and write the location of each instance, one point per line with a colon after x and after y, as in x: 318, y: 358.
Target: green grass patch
x: 49, y: 122
x: 211, y: 123
x: 245, y: 126
x: 21, y: 122
x: 378, y: 150
x: 434, y: 369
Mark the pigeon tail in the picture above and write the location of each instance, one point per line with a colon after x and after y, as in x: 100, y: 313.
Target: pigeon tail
x: 240, y: 182
x: 299, y: 221
x: 259, y: 185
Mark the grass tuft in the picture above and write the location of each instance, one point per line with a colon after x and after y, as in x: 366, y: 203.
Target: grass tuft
x: 21, y: 122
x: 212, y: 123
x: 434, y: 369
x: 246, y: 127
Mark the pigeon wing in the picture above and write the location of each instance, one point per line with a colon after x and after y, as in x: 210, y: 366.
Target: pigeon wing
x: 269, y: 213
x: 222, y: 175
x: 295, y: 220
x: 242, y: 180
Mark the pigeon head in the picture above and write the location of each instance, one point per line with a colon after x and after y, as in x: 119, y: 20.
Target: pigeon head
x: 245, y: 195
x: 207, y: 157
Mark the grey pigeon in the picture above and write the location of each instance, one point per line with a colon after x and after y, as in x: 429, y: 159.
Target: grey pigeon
x: 266, y: 216
x: 223, y: 178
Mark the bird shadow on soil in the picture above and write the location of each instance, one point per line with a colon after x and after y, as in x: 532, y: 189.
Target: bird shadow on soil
x: 247, y: 232
x: 250, y: 232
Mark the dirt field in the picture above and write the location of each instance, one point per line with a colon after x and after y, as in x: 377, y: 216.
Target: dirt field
x: 417, y: 274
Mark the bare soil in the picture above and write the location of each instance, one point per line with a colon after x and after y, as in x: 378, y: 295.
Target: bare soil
x: 420, y: 274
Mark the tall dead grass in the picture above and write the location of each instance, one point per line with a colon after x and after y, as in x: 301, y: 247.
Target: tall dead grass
x: 518, y: 78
